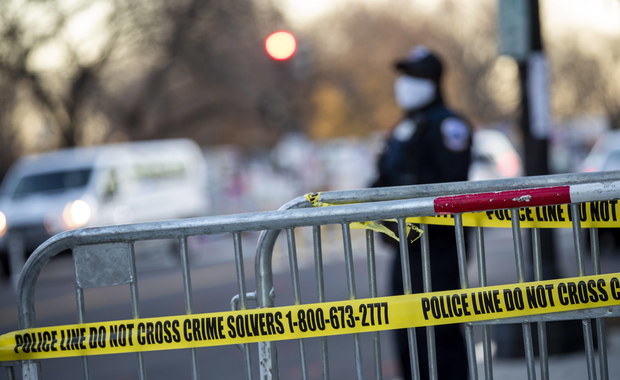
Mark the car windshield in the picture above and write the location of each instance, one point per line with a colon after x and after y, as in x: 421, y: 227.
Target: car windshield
x: 613, y: 161
x: 52, y: 181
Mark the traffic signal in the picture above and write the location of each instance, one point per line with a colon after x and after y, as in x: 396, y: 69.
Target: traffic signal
x: 280, y: 45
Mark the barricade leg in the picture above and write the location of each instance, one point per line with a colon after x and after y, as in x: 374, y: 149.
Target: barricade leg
x: 407, y: 289
x: 587, y: 329
x: 10, y: 370
x: 482, y: 278
x: 600, y: 323
x: 462, y: 264
x: 372, y: 273
x: 320, y: 283
x: 543, y: 351
x: 427, y: 287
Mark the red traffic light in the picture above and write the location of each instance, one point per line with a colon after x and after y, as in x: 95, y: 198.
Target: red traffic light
x: 280, y: 45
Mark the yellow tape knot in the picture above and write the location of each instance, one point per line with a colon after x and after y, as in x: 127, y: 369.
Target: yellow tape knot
x: 314, y: 200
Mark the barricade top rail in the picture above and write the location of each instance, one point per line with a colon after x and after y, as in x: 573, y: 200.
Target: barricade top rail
x: 454, y: 188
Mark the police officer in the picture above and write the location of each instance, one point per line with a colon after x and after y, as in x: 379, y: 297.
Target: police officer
x: 430, y: 144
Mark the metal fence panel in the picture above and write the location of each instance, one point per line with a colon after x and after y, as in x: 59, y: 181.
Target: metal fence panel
x: 106, y: 257
x: 424, y: 191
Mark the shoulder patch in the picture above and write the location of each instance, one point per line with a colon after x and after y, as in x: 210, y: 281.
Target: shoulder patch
x: 455, y: 134
x: 404, y: 130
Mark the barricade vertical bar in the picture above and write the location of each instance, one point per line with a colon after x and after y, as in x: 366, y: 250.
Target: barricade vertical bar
x: 542, y: 327
x: 133, y: 285
x: 595, y: 250
x: 427, y: 287
x: 578, y: 240
x: 527, y: 329
x: 320, y: 285
x: 372, y: 273
x: 348, y: 259
x: 292, y: 255
x: 602, y: 350
x: 482, y: 278
x: 586, y: 323
x: 529, y: 350
x: 404, y: 262
x: 600, y: 322
x: 292, y: 251
x: 10, y: 370
x: 187, y: 291
x: 31, y: 369
x: 518, y: 250
x: 242, y: 295
x: 462, y: 261
x: 267, y: 352
x: 79, y: 295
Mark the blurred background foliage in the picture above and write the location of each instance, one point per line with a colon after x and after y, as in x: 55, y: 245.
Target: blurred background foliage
x: 83, y: 72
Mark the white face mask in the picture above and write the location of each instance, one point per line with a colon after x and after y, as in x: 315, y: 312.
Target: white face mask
x: 413, y: 92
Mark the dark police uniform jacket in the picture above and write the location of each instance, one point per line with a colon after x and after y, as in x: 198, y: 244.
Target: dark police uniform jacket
x: 428, y: 146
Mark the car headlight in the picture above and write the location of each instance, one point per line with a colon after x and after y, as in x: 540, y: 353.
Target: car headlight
x: 76, y: 214
x: 2, y: 224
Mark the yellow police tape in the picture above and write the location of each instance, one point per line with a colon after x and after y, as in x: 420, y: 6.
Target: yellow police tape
x: 313, y: 320
x: 600, y: 214
x: 313, y: 198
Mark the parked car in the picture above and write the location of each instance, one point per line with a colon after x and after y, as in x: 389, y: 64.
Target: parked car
x: 493, y: 156
x: 605, y: 154
x: 48, y: 193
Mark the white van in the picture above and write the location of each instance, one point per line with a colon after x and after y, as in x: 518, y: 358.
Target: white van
x: 45, y: 194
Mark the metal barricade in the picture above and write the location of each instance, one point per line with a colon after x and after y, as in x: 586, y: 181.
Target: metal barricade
x: 106, y: 258
x: 588, y: 189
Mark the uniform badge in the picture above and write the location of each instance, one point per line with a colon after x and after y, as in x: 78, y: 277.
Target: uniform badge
x: 455, y: 134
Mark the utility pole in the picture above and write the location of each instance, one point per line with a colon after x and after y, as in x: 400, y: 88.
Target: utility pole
x: 521, y: 38
x: 535, y: 122
x: 534, y: 78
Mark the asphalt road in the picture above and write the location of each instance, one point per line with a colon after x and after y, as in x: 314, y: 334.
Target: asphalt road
x: 214, y: 284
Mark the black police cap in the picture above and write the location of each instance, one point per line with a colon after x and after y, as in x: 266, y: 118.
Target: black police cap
x: 420, y: 63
